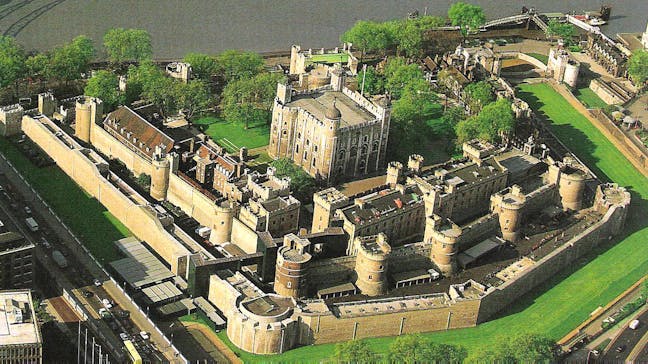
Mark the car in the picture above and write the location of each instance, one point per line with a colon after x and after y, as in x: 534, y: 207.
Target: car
x: 124, y: 336
x: 123, y: 314
x: 104, y: 313
x: 28, y: 210
x: 45, y: 243
x: 633, y: 324
x: 97, y: 282
x: 620, y: 348
x: 107, y: 304
x: 87, y: 293
x: 144, y: 335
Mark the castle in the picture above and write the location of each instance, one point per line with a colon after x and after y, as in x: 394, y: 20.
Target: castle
x: 330, y: 131
x: 420, y: 248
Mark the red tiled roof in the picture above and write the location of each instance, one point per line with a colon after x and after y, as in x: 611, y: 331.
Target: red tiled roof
x: 142, y: 130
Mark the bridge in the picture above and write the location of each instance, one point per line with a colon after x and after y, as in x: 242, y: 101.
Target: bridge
x: 534, y: 17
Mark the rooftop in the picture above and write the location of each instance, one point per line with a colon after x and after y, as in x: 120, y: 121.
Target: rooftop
x: 141, y: 267
x: 318, y: 103
x: 269, y: 305
x: 143, y: 134
x: 382, y: 202
x: 17, y: 324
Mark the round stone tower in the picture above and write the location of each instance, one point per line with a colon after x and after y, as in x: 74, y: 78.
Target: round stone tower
x: 291, y: 268
x: 444, y: 238
x: 371, y: 264
x: 571, y: 186
x: 221, y: 231
x: 87, y: 111
x: 160, y: 175
x: 509, y: 206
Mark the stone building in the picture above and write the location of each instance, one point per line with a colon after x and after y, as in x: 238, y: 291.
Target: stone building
x: 10, y: 117
x: 331, y: 132
x: 644, y: 38
x: 20, y: 336
x: 607, y: 55
x: 563, y: 67
x: 16, y: 261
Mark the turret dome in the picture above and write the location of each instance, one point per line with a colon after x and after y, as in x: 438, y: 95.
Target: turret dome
x: 333, y: 112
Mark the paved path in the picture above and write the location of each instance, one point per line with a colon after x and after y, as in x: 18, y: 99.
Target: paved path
x: 224, y: 349
x: 64, y: 312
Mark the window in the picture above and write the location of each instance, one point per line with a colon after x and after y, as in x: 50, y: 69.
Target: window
x: 284, y: 132
x: 314, y: 159
x: 305, y: 155
x: 365, y: 138
x: 370, y: 276
x: 289, y: 284
x: 296, y: 148
x: 315, y: 148
x: 307, y: 142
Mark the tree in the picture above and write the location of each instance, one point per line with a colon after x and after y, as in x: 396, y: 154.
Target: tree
x: 12, y: 61
x: 368, y: 36
x: 236, y: 65
x: 466, y: 16
x: 523, y: 348
x: 409, y: 349
x: 144, y: 180
x: 37, y: 65
x: 427, y: 22
x: 250, y: 99
x: 354, y: 351
x: 374, y: 83
x: 203, y: 66
x: 638, y: 67
x: 479, y: 94
x: 494, y: 121
x: 565, y: 31
x: 192, y: 96
x: 69, y: 61
x: 128, y: 45
x: 408, y: 37
x: 301, y: 183
x: 105, y: 86
x: 401, y: 77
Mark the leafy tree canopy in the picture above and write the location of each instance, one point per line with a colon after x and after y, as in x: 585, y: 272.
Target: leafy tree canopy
x: 301, y: 183
x: 466, y: 16
x: 128, y: 45
x: 236, y: 65
x: 192, y: 96
x: 479, y: 94
x: 355, y: 351
x: 637, y: 67
x: 374, y: 83
x: 250, y: 99
x: 37, y: 65
x: 367, y: 36
x: 203, y: 66
x: 401, y: 77
x: 70, y: 60
x: 565, y: 31
x: 523, y: 348
x: 105, y: 86
x: 495, y: 119
x: 12, y: 61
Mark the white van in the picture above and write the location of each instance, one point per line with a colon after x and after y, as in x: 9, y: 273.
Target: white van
x: 634, y: 324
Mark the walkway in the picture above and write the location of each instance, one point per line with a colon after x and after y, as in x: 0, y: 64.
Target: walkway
x: 222, y: 348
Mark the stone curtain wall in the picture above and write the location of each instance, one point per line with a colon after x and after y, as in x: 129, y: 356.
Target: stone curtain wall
x: 109, y: 146
x: 142, y: 222
x: 502, y: 296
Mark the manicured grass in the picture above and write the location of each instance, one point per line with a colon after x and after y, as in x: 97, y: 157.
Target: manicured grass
x: 87, y: 218
x: 589, y: 98
x: 540, y: 57
x: 232, y: 136
x: 330, y: 58
x: 564, y: 301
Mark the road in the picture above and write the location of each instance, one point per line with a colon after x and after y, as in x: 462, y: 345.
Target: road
x: 626, y: 341
x: 82, y: 270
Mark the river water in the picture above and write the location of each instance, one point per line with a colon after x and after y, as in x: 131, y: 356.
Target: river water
x: 210, y: 26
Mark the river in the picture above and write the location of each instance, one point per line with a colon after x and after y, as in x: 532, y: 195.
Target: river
x: 210, y: 26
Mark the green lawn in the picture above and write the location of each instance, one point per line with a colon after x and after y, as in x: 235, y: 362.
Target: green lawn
x: 564, y: 301
x: 330, y: 58
x: 89, y: 220
x: 232, y: 136
x: 589, y: 98
x: 540, y: 57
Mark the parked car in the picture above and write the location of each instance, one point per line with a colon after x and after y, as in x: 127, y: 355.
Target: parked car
x: 87, y: 293
x: 45, y: 243
x: 124, y: 336
x: 633, y: 324
x: 107, y: 304
x: 144, y: 335
x: 28, y: 210
x: 97, y: 282
x: 620, y: 348
x: 104, y: 313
